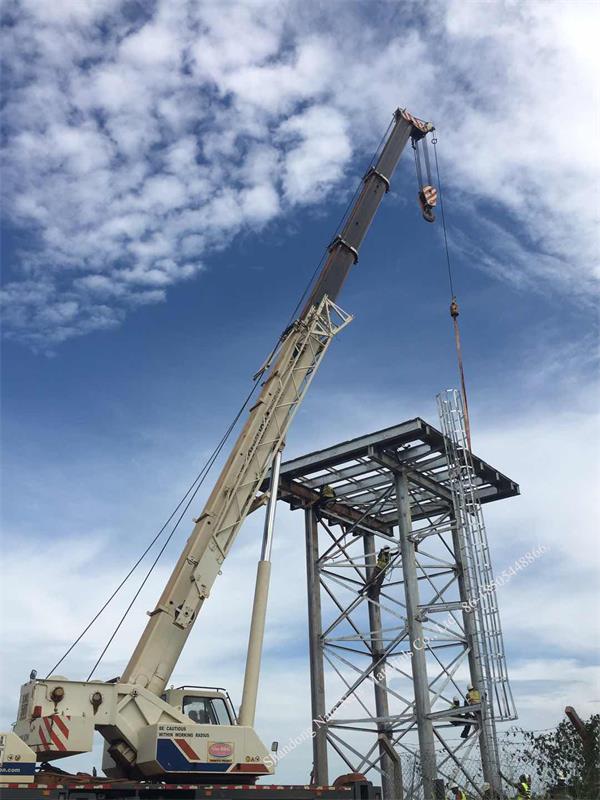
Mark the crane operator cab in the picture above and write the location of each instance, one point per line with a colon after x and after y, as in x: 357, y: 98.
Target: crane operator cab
x: 200, y: 742
x: 205, y: 705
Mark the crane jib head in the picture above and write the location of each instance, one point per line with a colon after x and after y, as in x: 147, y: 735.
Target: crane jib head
x: 421, y: 128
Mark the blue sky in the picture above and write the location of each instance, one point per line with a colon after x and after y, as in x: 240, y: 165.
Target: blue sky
x: 171, y: 177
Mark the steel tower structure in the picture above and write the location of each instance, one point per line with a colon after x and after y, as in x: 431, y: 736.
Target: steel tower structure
x: 392, y: 643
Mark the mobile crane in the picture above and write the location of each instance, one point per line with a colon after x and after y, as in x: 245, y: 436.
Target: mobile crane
x: 152, y: 732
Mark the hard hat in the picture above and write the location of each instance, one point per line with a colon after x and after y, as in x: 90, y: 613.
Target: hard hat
x: 470, y: 688
x: 485, y: 786
x: 523, y: 778
x: 561, y: 775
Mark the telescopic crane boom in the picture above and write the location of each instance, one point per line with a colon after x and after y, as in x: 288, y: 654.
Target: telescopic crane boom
x: 262, y: 436
x: 138, y: 719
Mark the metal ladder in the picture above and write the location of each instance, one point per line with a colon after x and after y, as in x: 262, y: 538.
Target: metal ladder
x: 469, y: 517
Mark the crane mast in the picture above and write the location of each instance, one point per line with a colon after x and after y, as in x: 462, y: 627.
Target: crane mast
x: 300, y: 353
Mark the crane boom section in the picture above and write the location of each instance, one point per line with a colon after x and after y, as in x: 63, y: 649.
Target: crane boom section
x: 263, y: 434
x: 343, y: 251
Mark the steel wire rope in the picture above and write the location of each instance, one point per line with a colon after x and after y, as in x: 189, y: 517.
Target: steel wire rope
x: 446, y: 247
x: 206, y: 469
x: 197, y: 483
x: 453, y: 304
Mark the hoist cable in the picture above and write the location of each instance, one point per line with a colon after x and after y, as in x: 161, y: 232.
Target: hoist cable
x: 453, y: 305
x: 426, y: 158
x: 418, y: 165
x: 441, y: 196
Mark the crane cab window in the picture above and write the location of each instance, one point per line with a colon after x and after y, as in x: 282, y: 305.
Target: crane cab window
x: 206, y: 710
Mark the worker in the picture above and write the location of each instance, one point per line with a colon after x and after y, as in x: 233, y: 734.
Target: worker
x: 193, y: 715
x: 473, y: 696
x: 383, y: 559
x: 327, y: 493
x: 473, y: 699
x: 455, y: 707
x: 560, y: 790
x: 457, y: 793
x: 523, y: 786
x: 486, y: 791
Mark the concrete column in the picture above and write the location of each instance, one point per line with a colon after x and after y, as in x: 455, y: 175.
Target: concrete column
x: 391, y: 779
x: 415, y: 629
x: 317, y: 672
x: 487, y: 739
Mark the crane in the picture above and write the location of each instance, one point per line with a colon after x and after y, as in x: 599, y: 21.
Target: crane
x: 192, y: 732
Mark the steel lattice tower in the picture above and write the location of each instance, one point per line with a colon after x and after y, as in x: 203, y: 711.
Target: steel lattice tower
x: 391, y: 645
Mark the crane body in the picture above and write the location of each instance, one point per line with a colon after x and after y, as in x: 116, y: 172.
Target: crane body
x: 191, y: 732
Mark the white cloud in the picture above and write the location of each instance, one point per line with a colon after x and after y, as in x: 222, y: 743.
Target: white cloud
x: 187, y: 122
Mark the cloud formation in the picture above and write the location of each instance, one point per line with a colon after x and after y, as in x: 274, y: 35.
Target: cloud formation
x: 140, y: 139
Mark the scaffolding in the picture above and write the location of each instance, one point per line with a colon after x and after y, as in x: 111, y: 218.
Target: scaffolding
x: 393, y: 565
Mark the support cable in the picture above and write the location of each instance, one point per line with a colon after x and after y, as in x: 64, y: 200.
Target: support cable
x: 190, y: 493
x: 454, y: 310
x: 204, y: 473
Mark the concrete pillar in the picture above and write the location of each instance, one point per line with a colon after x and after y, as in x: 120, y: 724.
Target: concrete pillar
x: 391, y: 779
x: 487, y: 739
x: 315, y: 644
x: 415, y: 629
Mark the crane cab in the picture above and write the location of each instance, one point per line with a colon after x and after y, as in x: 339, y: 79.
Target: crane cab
x: 204, y: 705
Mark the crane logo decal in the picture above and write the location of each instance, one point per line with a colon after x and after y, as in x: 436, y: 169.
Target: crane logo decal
x: 220, y: 751
x: 53, y: 732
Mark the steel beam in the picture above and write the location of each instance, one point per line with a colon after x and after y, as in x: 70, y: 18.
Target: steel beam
x: 290, y: 491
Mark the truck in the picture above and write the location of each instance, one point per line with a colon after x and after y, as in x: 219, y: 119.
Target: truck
x: 189, y: 741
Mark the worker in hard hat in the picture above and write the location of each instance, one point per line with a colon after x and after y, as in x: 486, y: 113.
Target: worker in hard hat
x: 383, y: 560
x: 327, y: 493
x: 457, y: 793
x: 486, y: 792
x: 455, y: 708
x: 473, y: 696
x: 523, y: 786
x: 473, y: 699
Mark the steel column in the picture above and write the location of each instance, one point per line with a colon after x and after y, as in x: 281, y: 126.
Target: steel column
x: 320, y: 775
x: 415, y: 628
x: 391, y: 777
